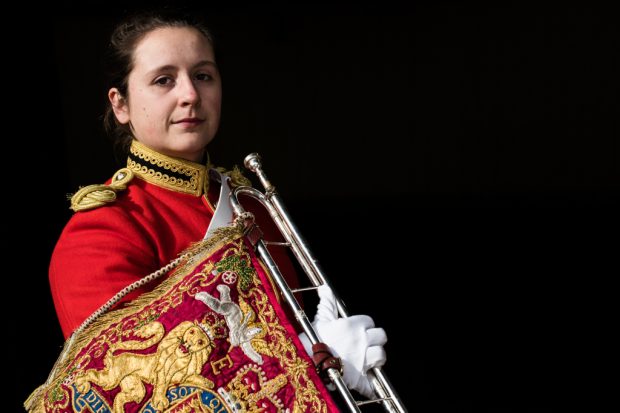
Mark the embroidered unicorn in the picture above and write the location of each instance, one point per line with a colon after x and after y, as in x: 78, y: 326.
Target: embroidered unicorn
x: 241, y: 333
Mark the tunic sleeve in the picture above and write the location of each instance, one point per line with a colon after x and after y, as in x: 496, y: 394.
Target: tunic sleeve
x: 98, y: 254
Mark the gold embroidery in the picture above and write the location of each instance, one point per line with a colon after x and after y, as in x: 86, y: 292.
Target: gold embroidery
x: 272, y: 282
x: 202, y: 401
x: 307, y: 397
x: 257, y: 342
x: 236, y: 176
x: 273, y: 340
x: 240, y: 392
x: 179, y: 359
x: 224, y: 363
x: 279, y: 344
x: 170, y: 173
x: 46, y: 397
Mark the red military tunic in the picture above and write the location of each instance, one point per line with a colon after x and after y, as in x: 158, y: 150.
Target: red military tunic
x: 161, y: 213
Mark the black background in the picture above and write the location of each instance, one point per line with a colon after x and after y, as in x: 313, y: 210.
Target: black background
x: 455, y: 168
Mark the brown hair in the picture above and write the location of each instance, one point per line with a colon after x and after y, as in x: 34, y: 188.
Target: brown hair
x: 119, y: 61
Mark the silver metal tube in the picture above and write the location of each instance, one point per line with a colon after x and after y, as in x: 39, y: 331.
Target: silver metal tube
x: 300, y: 315
x: 386, y: 395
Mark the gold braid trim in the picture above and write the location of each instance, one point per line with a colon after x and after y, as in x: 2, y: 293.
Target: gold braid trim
x: 177, y: 174
x: 165, y: 171
x: 171, y: 173
x: 93, y: 196
x: 75, y: 343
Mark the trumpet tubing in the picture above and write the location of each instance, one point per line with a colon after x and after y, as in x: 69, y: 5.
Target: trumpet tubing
x: 384, y: 391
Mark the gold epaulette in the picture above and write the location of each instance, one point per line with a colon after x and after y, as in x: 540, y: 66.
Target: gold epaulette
x: 94, y: 196
x: 236, y: 176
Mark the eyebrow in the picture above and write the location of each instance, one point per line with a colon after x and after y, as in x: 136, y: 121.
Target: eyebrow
x: 173, y: 67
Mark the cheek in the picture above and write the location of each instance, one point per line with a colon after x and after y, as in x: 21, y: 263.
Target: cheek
x: 146, y: 120
x: 148, y: 115
x: 215, y: 105
x: 214, y: 99
x: 148, y: 110
x: 152, y: 118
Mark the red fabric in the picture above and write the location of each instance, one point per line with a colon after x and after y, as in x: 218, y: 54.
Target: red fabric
x: 213, y: 337
x: 101, y: 251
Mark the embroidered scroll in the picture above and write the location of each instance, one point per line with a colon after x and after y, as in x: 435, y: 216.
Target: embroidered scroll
x: 211, y: 338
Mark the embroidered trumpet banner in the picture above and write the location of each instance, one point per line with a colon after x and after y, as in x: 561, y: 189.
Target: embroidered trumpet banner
x: 210, y: 338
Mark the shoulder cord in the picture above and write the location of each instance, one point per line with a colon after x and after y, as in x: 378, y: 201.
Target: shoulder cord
x: 93, y: 196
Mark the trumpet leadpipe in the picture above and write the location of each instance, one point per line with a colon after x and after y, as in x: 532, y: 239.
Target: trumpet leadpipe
x: 384, y: 391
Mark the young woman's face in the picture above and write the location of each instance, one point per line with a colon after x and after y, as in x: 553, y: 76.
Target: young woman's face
x: 174, y: 93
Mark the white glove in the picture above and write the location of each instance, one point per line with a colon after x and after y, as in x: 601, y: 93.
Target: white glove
x: 354, y: 339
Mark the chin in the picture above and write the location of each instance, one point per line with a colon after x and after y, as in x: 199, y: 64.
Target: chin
x: 192, y: 151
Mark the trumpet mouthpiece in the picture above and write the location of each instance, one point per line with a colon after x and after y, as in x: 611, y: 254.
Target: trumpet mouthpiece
x: 252, y: 162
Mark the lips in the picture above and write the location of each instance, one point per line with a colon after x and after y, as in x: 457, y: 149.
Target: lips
x: 191, y: 121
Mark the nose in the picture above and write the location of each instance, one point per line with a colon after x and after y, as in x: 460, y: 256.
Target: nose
x: 188, y: 93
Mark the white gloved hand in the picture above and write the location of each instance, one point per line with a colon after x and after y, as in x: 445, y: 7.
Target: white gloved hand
x: 354, y: 339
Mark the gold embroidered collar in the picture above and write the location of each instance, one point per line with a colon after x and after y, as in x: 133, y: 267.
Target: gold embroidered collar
x: 167, y: 172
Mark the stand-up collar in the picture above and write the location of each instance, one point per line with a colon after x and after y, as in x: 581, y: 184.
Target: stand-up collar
x: 167, y: 172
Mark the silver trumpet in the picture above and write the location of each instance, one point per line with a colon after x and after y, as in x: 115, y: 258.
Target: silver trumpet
x: 384, y: 392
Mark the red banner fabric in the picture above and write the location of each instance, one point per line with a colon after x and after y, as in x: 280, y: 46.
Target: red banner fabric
x: 211, y: 338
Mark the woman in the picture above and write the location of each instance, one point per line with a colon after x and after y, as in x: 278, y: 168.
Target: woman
x: 168, y: 106
x: 165, y: 104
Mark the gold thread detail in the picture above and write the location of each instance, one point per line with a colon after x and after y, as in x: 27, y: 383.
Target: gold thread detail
x: 236, y: 176
x: 272, y: 282
x: 307, y: 396
x: 66, y: 365
x: 93, y: 196
x: 194, y: 180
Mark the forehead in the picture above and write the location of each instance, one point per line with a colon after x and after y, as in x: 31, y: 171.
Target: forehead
x: 172, y: 46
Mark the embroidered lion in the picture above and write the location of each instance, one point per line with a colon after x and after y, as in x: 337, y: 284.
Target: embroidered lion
x: 179, y: 359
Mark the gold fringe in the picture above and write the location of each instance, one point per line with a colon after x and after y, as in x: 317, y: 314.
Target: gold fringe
x: 36, y: 397
x: 93, y: 196
x: 200, y: 250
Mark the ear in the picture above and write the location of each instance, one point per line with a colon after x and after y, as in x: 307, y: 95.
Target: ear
x: 119, y: 105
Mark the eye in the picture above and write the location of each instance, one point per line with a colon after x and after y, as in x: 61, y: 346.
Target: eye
x: 163, y: 81
x: 204, y: 76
